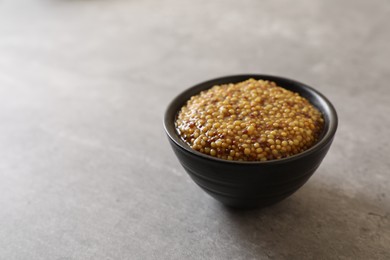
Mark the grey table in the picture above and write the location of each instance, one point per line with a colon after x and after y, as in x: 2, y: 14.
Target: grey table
x: 86, y: 171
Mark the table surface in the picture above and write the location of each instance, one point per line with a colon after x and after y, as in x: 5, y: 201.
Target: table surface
x: 86, y: 171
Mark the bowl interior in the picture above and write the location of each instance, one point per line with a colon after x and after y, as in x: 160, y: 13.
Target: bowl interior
x: 315, y: 98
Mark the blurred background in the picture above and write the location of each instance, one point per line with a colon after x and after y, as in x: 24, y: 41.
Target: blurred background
x: 85, y: 168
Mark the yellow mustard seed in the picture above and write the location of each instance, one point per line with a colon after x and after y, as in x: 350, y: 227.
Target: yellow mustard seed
x: 253, y: 120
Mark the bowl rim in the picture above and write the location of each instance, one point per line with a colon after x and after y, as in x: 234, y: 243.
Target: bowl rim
x: 331, y: 117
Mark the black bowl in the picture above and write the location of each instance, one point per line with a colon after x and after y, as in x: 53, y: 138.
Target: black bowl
x: 252, y: 184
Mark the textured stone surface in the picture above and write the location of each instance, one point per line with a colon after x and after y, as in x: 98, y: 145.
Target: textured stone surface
x: 86, y: 171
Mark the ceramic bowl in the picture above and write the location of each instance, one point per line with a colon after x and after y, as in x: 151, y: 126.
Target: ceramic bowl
x: 252, y: 184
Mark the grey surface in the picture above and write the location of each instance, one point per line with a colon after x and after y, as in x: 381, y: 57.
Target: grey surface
x: 85, y: 168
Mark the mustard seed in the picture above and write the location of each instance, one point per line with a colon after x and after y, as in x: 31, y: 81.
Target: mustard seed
x: 254, y: 120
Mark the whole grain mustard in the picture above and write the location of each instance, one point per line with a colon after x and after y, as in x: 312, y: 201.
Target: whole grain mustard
x: 254, y: 120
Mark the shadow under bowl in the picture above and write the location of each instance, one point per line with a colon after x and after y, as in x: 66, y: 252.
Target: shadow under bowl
x: 252, y: 184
